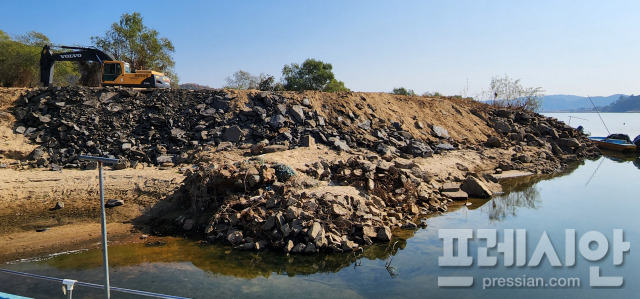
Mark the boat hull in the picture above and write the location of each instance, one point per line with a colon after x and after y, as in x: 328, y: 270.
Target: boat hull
x: 614, y: 145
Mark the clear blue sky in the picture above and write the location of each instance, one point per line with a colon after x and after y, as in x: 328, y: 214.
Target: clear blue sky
x: 453, y: 47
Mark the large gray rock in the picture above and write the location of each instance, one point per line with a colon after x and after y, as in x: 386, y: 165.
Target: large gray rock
x: 20, y: 130
x: 311, y: 248
x: 369, y: 231
x: 445, y: 147
x: 299, y: 248
x: 456, y: 195
x: 365, y: 125
x: 450, y: 187
x: 221, y: 104
x: 418, y: 149
x: 502, y: 126
x: 409, y: 225
x: 38, y: 153
x: 235, y: 237
x: 164, y: 159
x: 475, y: 188
x: 493, y: 142
x: 288, y: 246
x: 177, y: 133
x: 569, y: 142
x: 404, y: 163
x: 298, y: 113
x: 316, y: 231
x: 440, y: 132
x: 378, y: 202
x: 232, y: 134
x: 341, y: 145
x: 292, y: 212
x: 339, y: 210
x: 308, y: 141
x: 111, y: 203
x: 277, y: 121
x: 385, y: 150
x: 384, y: 234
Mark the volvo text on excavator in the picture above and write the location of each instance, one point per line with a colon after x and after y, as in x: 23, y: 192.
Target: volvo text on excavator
x: 113, y: 72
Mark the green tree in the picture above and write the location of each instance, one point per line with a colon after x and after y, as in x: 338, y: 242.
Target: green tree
x: 131, y: 41
x: 19, y: 62
x: 432, y: 94
x: 4, y: 36
x: 268, y: 84
x: 311, y: 75
x: 507, y: 92
x: 335, y: 86
x: 403, y: 91
x: 34, y: 38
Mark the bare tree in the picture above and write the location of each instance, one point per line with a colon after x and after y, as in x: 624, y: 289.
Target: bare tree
x: 507, y: 92
x: 245, y: 80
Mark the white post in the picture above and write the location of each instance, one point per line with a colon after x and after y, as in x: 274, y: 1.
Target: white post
x: 105, y: 256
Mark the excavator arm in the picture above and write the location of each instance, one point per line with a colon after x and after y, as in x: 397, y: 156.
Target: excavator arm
x: 47, y: 59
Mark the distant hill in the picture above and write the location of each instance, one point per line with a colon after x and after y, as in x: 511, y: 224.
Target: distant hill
x: 623, y: 104
x: 560, y: 102
x: 194, y: 86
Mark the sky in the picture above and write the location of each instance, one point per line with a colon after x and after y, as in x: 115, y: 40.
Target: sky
x: 452, y: 47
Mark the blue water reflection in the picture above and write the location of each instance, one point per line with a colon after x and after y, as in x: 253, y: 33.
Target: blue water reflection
x: 597, y: 195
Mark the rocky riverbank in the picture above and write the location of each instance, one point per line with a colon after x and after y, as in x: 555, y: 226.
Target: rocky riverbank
x: 291, y: 171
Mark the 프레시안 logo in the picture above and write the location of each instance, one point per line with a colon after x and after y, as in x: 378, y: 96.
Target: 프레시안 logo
x: 514, y: 252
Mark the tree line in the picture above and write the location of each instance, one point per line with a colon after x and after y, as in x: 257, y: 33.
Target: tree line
x: 623, y: 104
x: 312, y: 74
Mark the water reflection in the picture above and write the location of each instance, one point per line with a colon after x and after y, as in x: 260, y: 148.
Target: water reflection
x: 623, y: 157
x: 223, y: 260
x: 520, y: 192
x: 504, y: 206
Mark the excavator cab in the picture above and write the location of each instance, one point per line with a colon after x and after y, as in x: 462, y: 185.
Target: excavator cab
x: 111, y: 70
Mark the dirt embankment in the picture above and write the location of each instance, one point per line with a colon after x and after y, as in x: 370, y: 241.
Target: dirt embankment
x: 299, y: 172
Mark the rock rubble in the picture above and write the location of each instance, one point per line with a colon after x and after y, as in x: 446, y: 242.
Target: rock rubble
x: 256, y: 205
x: 165, y: 127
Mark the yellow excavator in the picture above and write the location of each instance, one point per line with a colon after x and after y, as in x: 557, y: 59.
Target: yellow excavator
x: 113, y: 72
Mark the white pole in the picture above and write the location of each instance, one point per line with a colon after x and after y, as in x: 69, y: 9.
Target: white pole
x: 105, y: 256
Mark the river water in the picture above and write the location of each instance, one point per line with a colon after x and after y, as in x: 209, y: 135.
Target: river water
x: 626, y: 123
x: 592, y: 198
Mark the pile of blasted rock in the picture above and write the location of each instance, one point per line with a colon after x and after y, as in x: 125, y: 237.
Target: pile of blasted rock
x: 165, y: 127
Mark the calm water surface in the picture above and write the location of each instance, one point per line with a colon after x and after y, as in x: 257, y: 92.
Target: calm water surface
x: 626, y: 123
x: 599, y: 195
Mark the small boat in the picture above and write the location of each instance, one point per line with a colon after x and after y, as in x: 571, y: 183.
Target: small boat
x: 615, y: 142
